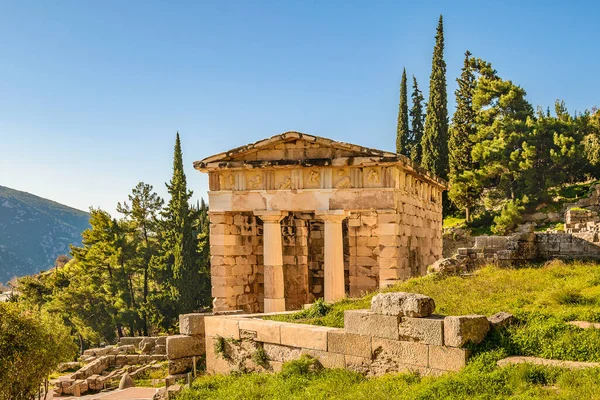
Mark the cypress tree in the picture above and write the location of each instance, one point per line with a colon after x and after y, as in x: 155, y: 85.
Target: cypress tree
x: 416, y: 124
x: 402, y: 133
x: 435, y: 135
x: 463, y: 121
x: 179, y: 243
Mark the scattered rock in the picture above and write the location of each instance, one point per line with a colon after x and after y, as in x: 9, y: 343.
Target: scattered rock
x: 403, y: 304
x: 67, y: 366
x: 501, y: 320
x: 126, y: 382
x: 584, y: 324
x: 448, y: 266
x: 460, y: 330
x: 543, y: 361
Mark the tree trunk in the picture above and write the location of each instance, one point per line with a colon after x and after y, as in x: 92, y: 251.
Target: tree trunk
x: 468, y: 214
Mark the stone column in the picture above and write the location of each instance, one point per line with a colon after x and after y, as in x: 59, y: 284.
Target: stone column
x: 334, y: 285
x: 273, y: 260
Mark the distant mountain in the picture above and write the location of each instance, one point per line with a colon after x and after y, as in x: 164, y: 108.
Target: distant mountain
x: 34, y: 231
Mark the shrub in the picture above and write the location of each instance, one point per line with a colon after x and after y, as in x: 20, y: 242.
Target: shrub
x: 508, y: 219
x: 32, y: 344
x: 305, y: 365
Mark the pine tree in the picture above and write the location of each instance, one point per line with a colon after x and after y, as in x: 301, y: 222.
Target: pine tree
x: 402, y: 133
x: 435, y: 135
x: 179, y: 243
x: 463, y: 121
x: 417, y: 118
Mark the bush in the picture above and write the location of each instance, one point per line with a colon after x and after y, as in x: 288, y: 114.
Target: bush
x: 32, y: 344
x: 508, y: 219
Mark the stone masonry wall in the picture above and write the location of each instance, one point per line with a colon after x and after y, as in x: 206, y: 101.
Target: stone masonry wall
x: 295, y: 259
x: 372, y: 342
x: 236, y: 250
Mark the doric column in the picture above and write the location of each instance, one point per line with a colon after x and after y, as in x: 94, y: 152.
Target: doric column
x: 334, y: 254
x: 273, y: 260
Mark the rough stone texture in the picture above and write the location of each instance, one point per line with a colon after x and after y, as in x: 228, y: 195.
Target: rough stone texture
x: 365, y: 322
x: 126, y: 382
x: 349, y: 343
x: 460, y: 330
x: 501, y: 320
x: 266, y: 331
x: 220, y: 326
x: 428, y: 330
x: 180, y: 365
x: 192, y: 324
x: 448, y: 266
x: 403, y: 304
x: 585, y: 324
x: 180, y: 346
x: 447, y: 358
x: 402, y: 352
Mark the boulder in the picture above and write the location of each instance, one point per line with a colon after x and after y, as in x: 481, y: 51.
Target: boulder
x: 126, y: 382
x: 403, y: 304
x: 501, y: 320
x: 448, y: 266
x: 179, y: 346
x: 460, y: 330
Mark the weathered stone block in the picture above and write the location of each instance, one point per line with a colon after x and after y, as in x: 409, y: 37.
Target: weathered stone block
x: 279, y: 353
x: 428, y: 330
x: 222, y: 326
x: 365, y: 322
x: 180, y: 365
x: 349, y: 343
x: 402, y: 352
x: 192, y: 324
x: 180, y: 346
x: 327, y: 359
x: 305, y: 336
x: 403, y: 304
x: 447, y: 358
x: 460, y: 330
x: 266, y: 331
x: 501, y: 320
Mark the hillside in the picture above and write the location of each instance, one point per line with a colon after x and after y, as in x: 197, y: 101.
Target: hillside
x: 34, y: 231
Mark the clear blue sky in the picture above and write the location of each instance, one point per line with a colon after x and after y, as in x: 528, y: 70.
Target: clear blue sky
x: 92, y: 93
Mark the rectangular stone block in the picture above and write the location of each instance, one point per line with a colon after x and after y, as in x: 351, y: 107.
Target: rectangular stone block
x: 327, y: 359
x: 192, y: 324
x: 349, y: 343
x: 180, y: 346
x: 306, y: 336
x: 226, y: 327
x: 215, y: 363
x: 279, y: 353
x: 428, y: 330
x: 364, y: 322
x: 266, y: 331
x: 402, y: 352
x: 447, y: 358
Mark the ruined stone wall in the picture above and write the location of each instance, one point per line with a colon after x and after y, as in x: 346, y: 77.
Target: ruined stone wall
x: 316, y: 252
x: 372, y: 342
x: 236, y: 250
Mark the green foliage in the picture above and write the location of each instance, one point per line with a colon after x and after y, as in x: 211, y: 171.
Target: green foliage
x: 260, y: 357
x: 481, y: 379
x: 305, y: 365
x: 509, y: 218
x: 402, y: 133
x: 220, y: 346
x: 435, y: 136
x: 32, y: 344
x: 417, y: 120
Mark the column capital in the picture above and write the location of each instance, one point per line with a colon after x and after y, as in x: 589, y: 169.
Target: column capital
x: 270, y: 216
x: 332, y: 215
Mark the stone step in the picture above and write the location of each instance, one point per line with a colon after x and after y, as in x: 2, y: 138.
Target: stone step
x: 584, y: 324
x: 544, y: 361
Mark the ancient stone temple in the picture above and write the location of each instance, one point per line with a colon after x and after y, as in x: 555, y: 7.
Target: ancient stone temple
x: 298, y: 217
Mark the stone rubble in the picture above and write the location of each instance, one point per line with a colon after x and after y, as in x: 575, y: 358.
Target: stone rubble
x: 403, y: 304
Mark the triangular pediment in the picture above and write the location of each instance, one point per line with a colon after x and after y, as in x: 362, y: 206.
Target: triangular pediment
x: 294, y: 146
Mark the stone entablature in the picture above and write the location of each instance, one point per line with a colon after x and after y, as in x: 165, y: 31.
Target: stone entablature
x: 297, y: 217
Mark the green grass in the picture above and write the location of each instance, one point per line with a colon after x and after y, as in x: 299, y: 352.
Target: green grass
x: 542, y: 297
x: 481, y: 379
x: 145, y: 378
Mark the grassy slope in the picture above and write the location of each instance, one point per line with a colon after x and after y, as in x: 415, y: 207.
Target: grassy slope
x: 542, y: 297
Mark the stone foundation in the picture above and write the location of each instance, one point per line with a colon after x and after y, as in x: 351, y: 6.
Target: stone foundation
x: 371, y: 343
